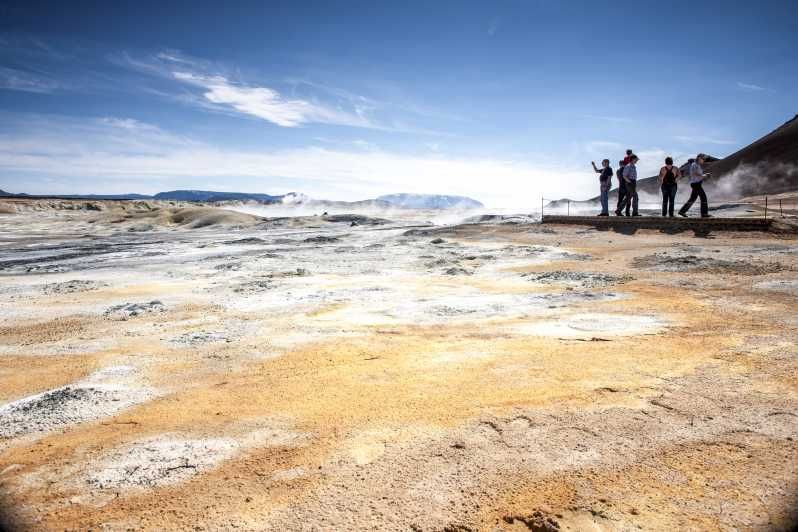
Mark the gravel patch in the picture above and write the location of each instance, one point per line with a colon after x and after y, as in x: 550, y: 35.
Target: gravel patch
x: 101, y: 395
x: 667, y: 262
x: 581, y: 279
x: 200, y: 337
x: 779, y: 285
x: 158, y: 461
x: 72, y: 287
x: 131, y: 310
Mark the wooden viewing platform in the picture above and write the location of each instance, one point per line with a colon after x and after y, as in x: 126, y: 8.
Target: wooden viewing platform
x: 659, y: 222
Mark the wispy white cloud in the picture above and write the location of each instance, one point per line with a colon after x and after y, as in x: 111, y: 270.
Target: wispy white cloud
x: 704, y: 140
x: 602, y: 147
x: 750, y: 87
x: 268, y: 104
x: 20, y: 80
x: 298, y: 102
x: 612, y: 119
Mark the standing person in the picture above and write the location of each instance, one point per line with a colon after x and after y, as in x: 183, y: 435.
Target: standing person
x: 630, y: 176
x: 621, y: 190
x: 697, y: 177
x: 605, y: 182
x: 668, y: 175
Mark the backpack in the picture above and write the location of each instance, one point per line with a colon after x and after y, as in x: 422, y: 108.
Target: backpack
x: 666, y: 180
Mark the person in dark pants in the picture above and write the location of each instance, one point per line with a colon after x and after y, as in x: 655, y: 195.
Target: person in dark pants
x: 621, y: 190
x: 697, y: 177
x: 630, y: 176
x: 668, y: 175
x: 605, y: 182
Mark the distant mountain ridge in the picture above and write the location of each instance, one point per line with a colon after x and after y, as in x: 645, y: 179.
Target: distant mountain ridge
x: 211, y: 196
x: 430, y: 201
x: 407, y: 201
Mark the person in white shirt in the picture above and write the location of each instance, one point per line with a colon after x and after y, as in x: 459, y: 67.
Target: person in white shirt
x: 697, y: 176
x: 630, y: 177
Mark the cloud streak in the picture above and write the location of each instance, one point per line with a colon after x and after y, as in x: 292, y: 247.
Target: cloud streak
x: 20, y: 80
x: 750, y: 87
x: 704, y: 140
x: 268, y: 104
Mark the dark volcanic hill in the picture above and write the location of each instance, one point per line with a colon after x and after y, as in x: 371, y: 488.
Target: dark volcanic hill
x: 768, y: 165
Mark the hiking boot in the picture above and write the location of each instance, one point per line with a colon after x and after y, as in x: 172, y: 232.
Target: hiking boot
x: 618, y: 213
x: 707, y: 216
x: 683, y: 214
x: 636, y: 214
x: 603, y: 214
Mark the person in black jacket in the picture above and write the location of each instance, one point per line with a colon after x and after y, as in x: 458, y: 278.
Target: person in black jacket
x: 621, y: 190
x: 605, y: 182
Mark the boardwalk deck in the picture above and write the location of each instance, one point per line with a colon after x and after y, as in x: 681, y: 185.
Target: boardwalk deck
x: 658, y: 222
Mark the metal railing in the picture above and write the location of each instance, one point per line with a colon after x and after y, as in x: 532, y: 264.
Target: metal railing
x: 765, y: 207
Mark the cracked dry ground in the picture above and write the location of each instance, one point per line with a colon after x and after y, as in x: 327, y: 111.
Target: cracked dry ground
x: 358, y: 385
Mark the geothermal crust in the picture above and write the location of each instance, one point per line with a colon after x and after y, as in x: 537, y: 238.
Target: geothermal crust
x: 182, y: 367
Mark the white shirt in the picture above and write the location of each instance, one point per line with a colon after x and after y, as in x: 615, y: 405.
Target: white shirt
x: 696, y: 173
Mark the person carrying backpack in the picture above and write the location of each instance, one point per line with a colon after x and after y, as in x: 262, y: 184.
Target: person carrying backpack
x: 621, y: 190
x: 605, y: 182
x: 697, y: 177
x: 668, y: 175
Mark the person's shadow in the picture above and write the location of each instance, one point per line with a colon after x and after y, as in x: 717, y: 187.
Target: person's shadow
x: 698, y: 231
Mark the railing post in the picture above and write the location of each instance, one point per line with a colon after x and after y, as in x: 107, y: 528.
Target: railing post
x: 781, y: 212
x: 569, y: 207
x: 766, y: 207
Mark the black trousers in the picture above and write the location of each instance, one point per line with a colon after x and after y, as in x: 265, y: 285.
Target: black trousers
x: 630, y: 199
x: 668, y: 198
x: 621, y: 198
x: 698, y: 192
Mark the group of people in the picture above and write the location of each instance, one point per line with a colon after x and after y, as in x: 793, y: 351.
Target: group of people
x: 668, y: 177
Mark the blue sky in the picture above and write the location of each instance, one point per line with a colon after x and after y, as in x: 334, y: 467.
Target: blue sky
x: 501, y: 101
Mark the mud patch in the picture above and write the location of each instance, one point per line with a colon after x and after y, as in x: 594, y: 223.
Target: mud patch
x: 779, y: 285
x: 666, y: 262
x: 131, y: 310
x: 44, y: 332
x: 101, y: 395
x: 581, y: 279
x: 592, y: 325
x: 170, y: 458
x: 544, y: 253
x: 72, y: 287
x: 537, y: 521
x: 159, y: 461
x: 256, y: 286
x: 200, y: 337
x: 321, y: 239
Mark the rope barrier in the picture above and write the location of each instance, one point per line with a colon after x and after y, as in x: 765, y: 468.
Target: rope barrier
x: 762, y: 204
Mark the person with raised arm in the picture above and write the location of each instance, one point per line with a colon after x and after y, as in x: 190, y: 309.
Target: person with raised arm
x: 605, y: 182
